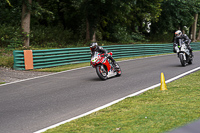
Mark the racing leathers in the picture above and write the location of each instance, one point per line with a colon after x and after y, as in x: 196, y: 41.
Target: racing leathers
x: 187, y: 41
x: 101, y: 51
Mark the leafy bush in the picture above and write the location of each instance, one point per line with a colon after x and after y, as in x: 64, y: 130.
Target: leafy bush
x: 11, y: 36
x: 163, y: 38
x: 6, y: 58
x: 50, y: 36
x: 6, y: 61
x: 121, y: 34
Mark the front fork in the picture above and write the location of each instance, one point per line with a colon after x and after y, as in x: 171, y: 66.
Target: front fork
x: 184, y: 56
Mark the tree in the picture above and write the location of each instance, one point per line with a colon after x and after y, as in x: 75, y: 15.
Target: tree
x: 25, y: 21
x: 194, y: 28
x: 93, y: 20
x: 198, y: 28
x: 145, y: 11
x: 176, y: 14
x: 196, y: 9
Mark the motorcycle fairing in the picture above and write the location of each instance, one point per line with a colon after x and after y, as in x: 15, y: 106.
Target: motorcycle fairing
x: 107, y: 64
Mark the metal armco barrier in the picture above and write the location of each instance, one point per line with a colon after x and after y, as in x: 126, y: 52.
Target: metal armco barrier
x: 57, y: 57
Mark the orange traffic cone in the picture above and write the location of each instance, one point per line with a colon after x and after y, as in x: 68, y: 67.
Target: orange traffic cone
x: 163, y: 85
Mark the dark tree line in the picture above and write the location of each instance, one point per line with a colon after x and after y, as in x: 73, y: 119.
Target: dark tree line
x: 61, y: 22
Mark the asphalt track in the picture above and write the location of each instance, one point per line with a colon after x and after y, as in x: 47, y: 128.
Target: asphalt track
x: 34, y: 104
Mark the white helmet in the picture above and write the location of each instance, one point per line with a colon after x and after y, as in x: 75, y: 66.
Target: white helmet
x: 93, y: 46
x: 178, y: 33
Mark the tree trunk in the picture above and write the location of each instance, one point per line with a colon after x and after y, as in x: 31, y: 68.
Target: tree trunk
x: 87, y: 30
x: 198, y: 38
x: 194, y: 28
x: 94, y: 37
x: 61, y: 15
x: 25, y: 23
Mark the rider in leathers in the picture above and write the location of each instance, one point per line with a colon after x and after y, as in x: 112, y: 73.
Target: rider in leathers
x: 94, y: 47
x: 185, y: 38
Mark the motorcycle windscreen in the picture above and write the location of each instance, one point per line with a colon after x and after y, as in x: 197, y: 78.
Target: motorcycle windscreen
x: 94, y: 57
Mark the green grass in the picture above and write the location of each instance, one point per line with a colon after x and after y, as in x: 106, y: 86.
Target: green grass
x: 154, y: 111
x: 62, y: 68
x: 6, y: 58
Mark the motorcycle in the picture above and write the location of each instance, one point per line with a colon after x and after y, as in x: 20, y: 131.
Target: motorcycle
x: 183, y: 53
x: 104, y: 66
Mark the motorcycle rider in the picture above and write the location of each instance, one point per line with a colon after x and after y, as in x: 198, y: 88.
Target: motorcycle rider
x: 185, y: 38
x: 94, y: 47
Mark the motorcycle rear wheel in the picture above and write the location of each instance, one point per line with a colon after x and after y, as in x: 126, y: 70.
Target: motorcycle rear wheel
x: 102, y: 73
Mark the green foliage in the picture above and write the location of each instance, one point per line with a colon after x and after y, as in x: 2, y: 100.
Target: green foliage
x: 60, y: 23
x: 175, y: 14
x: 40, y: 36
x: 51, y: 36
x: 8, y: 2
x: 6, y: 58
x: 121, y: 34
x: 10, y: 15
x: 163, y: 38
x: 11, y: 37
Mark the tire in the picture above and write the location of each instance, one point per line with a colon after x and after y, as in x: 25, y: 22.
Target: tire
x: 102, y: 75
x: 183, y: 62
x: 119, y: 71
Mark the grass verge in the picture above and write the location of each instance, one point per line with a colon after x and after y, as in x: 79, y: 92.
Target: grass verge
x: 6, y: 58
x: 154, y: 111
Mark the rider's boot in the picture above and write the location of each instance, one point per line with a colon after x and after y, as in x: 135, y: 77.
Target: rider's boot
x: 191, y: 53
x: 115, y: 65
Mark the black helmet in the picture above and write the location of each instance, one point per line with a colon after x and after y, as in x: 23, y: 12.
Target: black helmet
x: 93, y: 46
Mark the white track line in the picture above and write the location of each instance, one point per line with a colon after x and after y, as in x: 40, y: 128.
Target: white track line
x: 42, y: 76
x: 116, y: 101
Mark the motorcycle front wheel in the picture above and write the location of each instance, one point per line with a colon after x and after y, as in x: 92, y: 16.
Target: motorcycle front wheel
x: 183, y: 62
x: 101, y: 72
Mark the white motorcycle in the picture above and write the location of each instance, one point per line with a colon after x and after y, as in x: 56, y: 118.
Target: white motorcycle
x: 183, y: 53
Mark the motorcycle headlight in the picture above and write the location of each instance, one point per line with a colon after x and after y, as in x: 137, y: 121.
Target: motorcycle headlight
x: 93, y: 60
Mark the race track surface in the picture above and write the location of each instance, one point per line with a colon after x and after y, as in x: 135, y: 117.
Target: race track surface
x: 31, y: 105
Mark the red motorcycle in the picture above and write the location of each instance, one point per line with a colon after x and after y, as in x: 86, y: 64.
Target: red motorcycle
x: 105, y: 68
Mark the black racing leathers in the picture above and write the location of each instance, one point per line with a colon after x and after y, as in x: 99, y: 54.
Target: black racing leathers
x: 185, y: 38
x: 101, y: 51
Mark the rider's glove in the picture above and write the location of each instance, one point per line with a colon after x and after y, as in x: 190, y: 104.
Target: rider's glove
x: 175, y: 44
x: 105, y: 55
